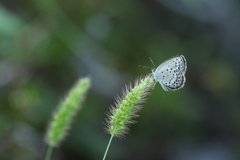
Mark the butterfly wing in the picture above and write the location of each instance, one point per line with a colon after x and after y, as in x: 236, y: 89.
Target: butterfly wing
x: 171, y: 73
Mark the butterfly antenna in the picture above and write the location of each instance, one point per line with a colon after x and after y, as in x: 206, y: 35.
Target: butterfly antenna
x: 144, y: 66
x: 152, y: 61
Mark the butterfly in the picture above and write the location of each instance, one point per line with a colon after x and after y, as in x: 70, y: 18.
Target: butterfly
x: 171, y: 73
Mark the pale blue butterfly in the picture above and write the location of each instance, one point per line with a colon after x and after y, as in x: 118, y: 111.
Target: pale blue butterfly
x: 171, y: 73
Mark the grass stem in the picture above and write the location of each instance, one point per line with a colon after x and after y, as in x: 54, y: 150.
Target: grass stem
x: 109, y: 143
x: 49, y: 153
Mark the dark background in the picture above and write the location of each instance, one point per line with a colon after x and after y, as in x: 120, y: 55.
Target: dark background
x: 47, y: 45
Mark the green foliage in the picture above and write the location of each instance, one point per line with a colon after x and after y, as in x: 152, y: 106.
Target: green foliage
x: 9, y: 23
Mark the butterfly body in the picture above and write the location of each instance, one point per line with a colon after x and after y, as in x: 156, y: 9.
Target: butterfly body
x: 171, y: 73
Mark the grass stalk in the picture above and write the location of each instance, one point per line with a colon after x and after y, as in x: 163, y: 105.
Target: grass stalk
x: 109, y: 143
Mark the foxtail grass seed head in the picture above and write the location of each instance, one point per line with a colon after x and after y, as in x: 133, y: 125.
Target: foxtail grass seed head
x: 125, y: 109
x: 67, y: 109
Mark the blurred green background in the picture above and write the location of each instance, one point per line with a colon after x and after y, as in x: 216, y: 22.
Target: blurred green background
x: 46, y: 46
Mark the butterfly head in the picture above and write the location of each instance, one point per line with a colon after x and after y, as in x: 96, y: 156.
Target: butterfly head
x: 153, y: 70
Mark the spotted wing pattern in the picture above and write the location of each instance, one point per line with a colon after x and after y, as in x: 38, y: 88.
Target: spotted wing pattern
x: 171, y: 73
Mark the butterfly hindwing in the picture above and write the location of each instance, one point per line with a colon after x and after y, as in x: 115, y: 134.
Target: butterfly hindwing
x: 171, y: 73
